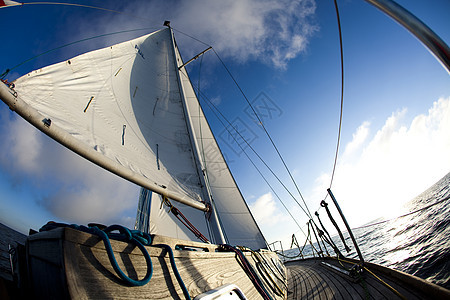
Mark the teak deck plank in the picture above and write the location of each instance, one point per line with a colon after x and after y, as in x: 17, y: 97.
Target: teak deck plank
x: 310, y: 279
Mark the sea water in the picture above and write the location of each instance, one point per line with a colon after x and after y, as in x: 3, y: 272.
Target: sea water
x: 417, y: 244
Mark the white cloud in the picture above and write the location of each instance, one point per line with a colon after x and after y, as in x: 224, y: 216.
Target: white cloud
x: 70, y: 187
x: 273, y: 31
x: 264, y: 210
x: 273, y: 221
x: 359, y: 137
x: 399, y: 163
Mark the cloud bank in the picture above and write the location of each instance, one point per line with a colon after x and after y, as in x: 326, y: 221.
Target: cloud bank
x: 271, y: 31
x: 377, y: 174
x: 71, y: 188
x: 379, y: 171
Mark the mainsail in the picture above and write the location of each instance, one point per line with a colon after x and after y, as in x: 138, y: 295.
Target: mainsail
x: 131, y: 109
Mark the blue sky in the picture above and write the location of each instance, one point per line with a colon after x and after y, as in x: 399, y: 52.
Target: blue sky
x: 284, y: 54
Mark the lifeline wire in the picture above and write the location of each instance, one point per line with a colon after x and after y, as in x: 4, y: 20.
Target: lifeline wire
x: 342, y: 98
x: 342, y: 92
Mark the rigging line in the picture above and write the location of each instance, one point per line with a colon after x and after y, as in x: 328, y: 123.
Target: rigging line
x: 342, y: 92
x: 213, y: 109
x: 342, y: 96
x: 267, y: 133
x: 86, y: 6
x: 71, y: 43
x: 405, y: 215
x: 308, y: 213
x: 254, y: 165
x: 211, y: 105
x: 271, y: 188
x: 257, y: 169
x: 189, y: 36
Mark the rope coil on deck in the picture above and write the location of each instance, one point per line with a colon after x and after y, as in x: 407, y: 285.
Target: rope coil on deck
x: 135, y: 237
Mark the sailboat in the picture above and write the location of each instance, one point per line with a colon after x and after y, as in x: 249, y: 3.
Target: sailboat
x: 142, y: 121
x: 131, y: 109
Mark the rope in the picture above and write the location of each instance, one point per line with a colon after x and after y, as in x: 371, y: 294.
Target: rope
x: 268, y: 135
x: 373, y: 274
x: 322, y: 237
x: 315, y: 235
x: 295, y: 242
x: 311, y: 243
x: 217, y: 112
x: 175, y: 270
x: 324, y: 204
x: 386, y: 284
x: 179, y: 215
x: 135, y: 237
x: 329, y: 240
x: 263, y: 266
x: 86, y: 6
x: 249, y: 271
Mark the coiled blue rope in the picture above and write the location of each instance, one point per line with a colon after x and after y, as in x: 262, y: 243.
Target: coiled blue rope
x: 136, y: 237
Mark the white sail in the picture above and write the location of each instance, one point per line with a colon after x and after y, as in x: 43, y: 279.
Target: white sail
x: 238, y: 224
x: 162, y: 222
x: 122, y: 102
x: 131, y: 109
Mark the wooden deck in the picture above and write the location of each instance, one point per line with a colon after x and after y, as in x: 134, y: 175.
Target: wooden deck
x: 84, y: 255
x: 312, y: 279
x: 69, y: 264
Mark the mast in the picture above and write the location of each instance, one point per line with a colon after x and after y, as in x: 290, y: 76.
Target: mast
x: 207, y: 195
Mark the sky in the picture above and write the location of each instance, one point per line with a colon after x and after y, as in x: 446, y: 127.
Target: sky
x: 395, y: 139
